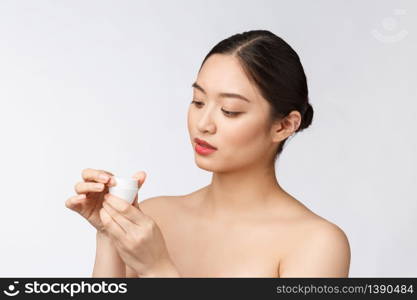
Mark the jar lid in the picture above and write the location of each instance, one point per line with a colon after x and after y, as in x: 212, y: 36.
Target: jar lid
x: 126, y: 183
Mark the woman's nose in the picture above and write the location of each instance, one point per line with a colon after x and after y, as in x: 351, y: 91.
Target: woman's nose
x: 206, y: 122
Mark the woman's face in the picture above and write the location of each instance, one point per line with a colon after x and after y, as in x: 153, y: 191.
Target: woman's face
x: 241, y: 139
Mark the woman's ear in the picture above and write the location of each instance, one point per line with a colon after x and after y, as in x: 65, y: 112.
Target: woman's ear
x: 294, y: 118
x: 283, y: 128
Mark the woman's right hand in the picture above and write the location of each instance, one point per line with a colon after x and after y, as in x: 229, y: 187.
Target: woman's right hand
x: 90, y: 195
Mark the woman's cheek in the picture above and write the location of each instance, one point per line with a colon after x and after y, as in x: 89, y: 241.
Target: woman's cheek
x: 239, y: 142
x: 189, y: 120
x: 242, y: 134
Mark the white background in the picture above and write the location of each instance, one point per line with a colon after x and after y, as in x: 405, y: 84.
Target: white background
x: 107, y: 85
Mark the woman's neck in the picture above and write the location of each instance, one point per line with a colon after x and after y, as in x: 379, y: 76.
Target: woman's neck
x: 241, y: 193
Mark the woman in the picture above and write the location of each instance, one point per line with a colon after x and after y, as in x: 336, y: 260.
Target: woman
x: 250, y: 95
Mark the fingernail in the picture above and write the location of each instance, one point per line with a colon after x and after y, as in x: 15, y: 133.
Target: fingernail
x: 103, y: 177
x: 82, y: 196
x: 98, y: 186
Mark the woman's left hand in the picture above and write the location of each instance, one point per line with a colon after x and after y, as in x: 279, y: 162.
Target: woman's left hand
x: 137, y: 237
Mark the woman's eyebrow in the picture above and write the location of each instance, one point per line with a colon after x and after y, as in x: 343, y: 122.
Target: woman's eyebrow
x: 225, y: 95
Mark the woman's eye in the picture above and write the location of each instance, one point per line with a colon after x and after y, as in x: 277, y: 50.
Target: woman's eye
x: 196, y: 102
x: 227, y: 113
x: 230, y: 113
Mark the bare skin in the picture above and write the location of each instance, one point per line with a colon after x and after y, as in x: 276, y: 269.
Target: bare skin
x: 243, y: 224
x: 282, y: 238
x: 273, y: 242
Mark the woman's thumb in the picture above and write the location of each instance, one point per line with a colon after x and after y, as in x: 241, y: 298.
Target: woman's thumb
x: 140, y: 177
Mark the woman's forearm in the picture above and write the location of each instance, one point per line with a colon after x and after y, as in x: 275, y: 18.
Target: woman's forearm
x: 107, y: 262
x: 165, y: 268
x: 130, y: 273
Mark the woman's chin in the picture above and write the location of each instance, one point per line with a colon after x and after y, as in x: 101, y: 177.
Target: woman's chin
x: 206, y: 163
x: 211, y: 166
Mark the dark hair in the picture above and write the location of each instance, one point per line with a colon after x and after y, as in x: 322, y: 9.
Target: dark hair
x: 276, y: 70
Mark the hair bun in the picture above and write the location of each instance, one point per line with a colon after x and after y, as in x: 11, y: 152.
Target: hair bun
x: 307, y: 117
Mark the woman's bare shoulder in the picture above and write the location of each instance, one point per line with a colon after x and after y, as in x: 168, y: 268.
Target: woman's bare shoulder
x: 165, y: 201
x: 163, y: 205
x: 156, y: 204
x: 310, y: 225
x: 318, y: 248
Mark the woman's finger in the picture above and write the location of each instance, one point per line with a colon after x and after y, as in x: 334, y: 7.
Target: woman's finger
x: 96, y: 175
x: 135, y: 202
x: 120, y: 219
x: 75, y: 201
x: 140, y: 177
x: 110, y: 225
x: 133, y: 214
x: 87, y: 187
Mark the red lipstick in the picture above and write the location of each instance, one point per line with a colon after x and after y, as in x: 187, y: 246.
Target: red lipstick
x: 203, y: 147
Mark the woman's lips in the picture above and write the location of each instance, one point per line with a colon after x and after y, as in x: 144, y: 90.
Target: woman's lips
x: 200, y: 149
x: 204, y: 143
